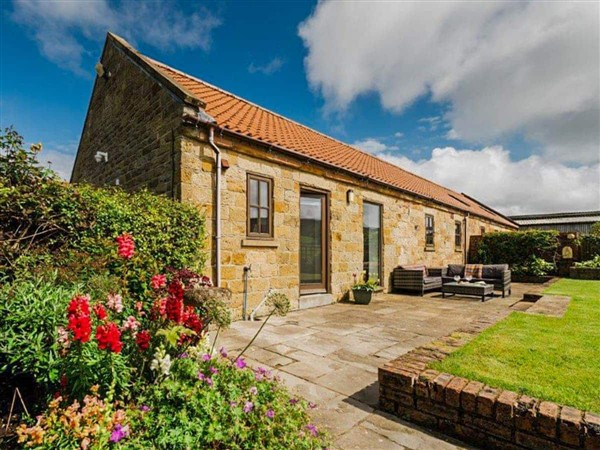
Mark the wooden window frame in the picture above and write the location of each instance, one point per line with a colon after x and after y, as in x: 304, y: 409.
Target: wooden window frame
x: 253, y: 235
x: 430, y: 246
x: 380, y: 238
x: 458, y: 224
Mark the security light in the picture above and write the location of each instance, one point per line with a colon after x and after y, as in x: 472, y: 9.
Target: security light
x: 101, y: 71
x: 100, y: 156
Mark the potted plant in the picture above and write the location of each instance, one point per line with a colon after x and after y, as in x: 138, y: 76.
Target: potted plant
x: 363, y: 291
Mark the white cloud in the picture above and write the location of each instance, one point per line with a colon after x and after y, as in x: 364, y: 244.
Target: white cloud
x: 374, y: 146
x: 266, y: 69
x: 503, y: 68
x: 399, y: 135
x: 59, y: 157
x: 61, y: 29
x: 512, y: 187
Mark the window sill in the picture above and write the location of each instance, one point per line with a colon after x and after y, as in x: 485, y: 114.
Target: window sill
x: 458, y: 250
x: 430, y: 249
x: 264, y: 243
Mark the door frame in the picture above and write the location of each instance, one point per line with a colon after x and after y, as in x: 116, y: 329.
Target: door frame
x: 323, y: 287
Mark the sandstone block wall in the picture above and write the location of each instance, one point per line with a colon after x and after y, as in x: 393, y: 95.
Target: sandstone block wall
x: 275, y: 264
x: 136, y: 121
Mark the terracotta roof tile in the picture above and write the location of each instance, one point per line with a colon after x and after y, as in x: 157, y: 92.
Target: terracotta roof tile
x: 234, y: 113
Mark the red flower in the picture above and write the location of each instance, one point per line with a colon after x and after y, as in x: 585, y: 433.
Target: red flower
x: 81, y: 326
x: 191, y: 320
x: 142, y: 339
x: 100, y: 311
x: 109, y: 337
x: 126, y: 246
x: 78, y: 313
x: 158, y: 281
x: 174, y: 309
x: 79, y: 306
x: 176, y: 289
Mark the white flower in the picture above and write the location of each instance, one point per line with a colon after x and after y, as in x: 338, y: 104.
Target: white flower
x: 161, y: 362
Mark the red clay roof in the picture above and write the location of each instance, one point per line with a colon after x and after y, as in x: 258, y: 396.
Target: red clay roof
x: 241, y: 116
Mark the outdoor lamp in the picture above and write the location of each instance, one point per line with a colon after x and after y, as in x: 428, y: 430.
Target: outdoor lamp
x: 350, y: 196
x: 101, y: 156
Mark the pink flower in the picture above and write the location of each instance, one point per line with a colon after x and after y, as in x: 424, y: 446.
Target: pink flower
x: 249, y: 406
x: 223, y: 352
x: 240, y: 363
x: 213, y: 370
x: 253, y: 390
x: 313, y: 430
x: 270, y: 413
x: 126, y: 245
x: 158, y: 282
x: 63, y: 337
x: 119, y: 432
x: 206, y: 357
x: 130, y: 324
x: 115, y: 302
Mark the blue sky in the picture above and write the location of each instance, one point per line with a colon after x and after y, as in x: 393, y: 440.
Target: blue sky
x: 328, y: 66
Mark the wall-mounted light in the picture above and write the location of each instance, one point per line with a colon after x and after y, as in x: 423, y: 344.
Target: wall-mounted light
x: 101, y: 156
x: 350, y: 196
x: 101, y: 71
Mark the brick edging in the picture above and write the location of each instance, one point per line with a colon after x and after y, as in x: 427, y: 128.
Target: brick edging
x: 475, y: 413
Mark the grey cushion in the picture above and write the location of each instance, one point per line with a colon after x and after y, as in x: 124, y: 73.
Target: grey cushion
x: 456, y: 269
x: 494, y: 270
x: 429, y: 280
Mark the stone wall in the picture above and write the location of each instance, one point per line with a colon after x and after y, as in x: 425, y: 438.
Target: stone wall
x: 479, y: 414
x: 136, y: 121
x: 275, y: 264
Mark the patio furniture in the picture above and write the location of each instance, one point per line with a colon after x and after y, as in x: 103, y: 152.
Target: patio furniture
x: 477, y: 289
x: 416, y: 278
x: 497, y: 275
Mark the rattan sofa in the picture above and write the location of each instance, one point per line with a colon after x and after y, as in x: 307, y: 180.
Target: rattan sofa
x: 496, y: 274
x: 417, y: 279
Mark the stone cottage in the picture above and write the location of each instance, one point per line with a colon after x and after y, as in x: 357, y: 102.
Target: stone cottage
x: 303, y: 211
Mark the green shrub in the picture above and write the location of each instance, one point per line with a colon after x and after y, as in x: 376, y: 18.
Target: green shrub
x: 592, y: 263
x: 30, y: 313
x: 520, y: 249
x: 534, y: 266
x: 595, y: 229
x: 590, y: 245
x: 42, y: 215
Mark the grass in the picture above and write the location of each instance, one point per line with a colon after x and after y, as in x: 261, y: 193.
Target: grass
x: 555, y: 359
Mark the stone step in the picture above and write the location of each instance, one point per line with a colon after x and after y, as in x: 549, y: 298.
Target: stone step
x: 314, y: 300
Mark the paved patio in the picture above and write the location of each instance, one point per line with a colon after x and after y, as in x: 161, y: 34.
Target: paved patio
x: 330, y: 355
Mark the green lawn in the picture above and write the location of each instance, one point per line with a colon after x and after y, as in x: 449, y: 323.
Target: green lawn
x: 545, y: 357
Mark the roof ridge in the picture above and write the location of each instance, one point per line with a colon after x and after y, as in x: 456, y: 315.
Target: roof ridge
x: 168, y: 67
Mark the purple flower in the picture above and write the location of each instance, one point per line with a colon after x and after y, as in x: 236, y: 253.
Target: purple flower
x: 240, y: 363
x: 313, y: 430
x: 213, y: 370
x: 232, y: 404
x: 253, y: 390
x: 223, y: 352
x: 144, y: 408
x: 209, y: 381
x: 119, y: 432
x: 249, y: 406
x: 183, y: 356
x: 270, y: 414
x: 201, y: 376
x: 206, y: 357
x: 293, y: 401
x: 312, y: 405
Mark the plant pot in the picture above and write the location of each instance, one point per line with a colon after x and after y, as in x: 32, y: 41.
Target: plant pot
x: 362, y: 297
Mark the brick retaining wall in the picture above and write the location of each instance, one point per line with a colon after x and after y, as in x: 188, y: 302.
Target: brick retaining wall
x: 476, y: 413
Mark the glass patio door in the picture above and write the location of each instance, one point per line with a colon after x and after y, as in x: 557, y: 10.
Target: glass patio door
x: 313, y: 242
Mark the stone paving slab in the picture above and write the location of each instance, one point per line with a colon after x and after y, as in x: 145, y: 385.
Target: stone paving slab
x: 550, y: 305
x: 330, y: 356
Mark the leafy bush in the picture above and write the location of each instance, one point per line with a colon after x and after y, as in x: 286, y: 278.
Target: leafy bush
x: 520, y: 249
x: 369, y: 285
x: 534, y: 266
x: 592, y: 263
x: 590, y: 245
x: 595, y: 229
x: 30, y: 313
x: 42, y: 215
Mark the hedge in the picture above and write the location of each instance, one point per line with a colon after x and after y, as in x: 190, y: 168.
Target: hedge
x: 517, y: 248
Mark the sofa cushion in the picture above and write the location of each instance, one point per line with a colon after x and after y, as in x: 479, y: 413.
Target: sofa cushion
x: 456, y: 269
x: 416, y: 267
x: 494, y: 270
x: 430, y: 280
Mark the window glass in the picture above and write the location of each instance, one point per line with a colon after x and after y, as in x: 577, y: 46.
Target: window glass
x: 372, y: 241
x: 259, y: 206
